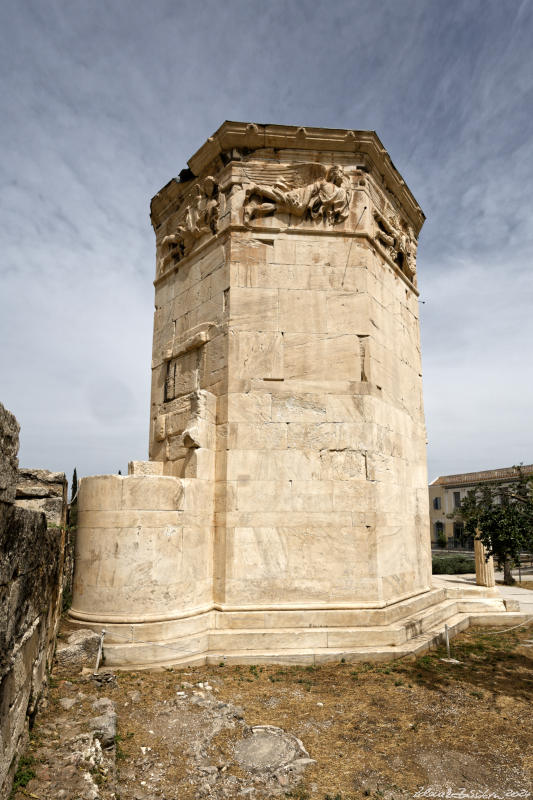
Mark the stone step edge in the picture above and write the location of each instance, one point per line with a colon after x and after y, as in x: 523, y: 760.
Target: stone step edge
x: 443, y: 610
x: 439, y: 610
x: 418, y: 644
x: 397, y: 610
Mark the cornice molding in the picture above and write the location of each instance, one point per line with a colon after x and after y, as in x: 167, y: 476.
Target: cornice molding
x: 250, y: 136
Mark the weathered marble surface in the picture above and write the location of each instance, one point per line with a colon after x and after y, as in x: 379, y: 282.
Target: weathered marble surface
x: 30, y: 603
x: 286, y: 412
x: 484, y: 566
x: 299, y: 316
x: 43, y: 490
x: 9, y: 447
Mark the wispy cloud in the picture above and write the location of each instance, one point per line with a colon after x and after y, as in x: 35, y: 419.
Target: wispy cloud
x: 103, y: 103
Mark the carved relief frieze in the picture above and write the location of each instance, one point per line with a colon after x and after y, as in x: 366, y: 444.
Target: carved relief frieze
x: 397, y: 238
x: 307, y: 191
x: 198, y: 218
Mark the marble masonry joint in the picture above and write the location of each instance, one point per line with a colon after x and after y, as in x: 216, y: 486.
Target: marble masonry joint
x: 283, y: 513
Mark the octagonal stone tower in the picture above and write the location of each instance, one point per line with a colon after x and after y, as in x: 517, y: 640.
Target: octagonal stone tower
x: 283, y: 515
x: 286, y: 294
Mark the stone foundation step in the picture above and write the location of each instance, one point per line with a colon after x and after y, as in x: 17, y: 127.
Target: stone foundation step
x: 439, y: 613
x: 418, y: 644
x: 295, y: 651
x: 465, y: 589
x: 394, y: 635
x: 328, y: 617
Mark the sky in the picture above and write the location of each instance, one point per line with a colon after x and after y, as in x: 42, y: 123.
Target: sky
x: 103, y: 102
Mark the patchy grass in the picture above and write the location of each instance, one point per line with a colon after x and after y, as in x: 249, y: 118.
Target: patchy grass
x: 24, y: 773
x: 376, y: 719
x: 374, y: 730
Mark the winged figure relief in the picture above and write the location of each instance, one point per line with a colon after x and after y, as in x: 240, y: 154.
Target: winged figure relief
x: 311, y: 191
x: 398, y: 240
x: 200, y: 217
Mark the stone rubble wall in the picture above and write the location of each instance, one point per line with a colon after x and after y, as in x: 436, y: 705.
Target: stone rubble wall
x: 31, y: 564
x: 9, y: 445
x: 46, y: 491
x: 42, y: 490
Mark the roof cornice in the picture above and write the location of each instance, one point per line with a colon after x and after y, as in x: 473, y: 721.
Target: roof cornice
x: 252, y: 136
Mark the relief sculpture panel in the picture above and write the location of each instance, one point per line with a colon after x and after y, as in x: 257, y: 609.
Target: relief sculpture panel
x: 199, y: 217
x: 316, y: 193
x: 398, y: 240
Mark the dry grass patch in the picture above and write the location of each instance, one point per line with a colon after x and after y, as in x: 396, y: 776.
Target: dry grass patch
x: 374, y: 730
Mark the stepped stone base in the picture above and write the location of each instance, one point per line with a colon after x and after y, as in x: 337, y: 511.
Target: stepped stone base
x: 301, y: 636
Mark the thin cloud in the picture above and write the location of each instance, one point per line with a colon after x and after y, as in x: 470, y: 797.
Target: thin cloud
x: 103, y: 103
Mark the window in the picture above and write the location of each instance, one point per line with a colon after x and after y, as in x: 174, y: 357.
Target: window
x: 440, y: 537
x: 456, y: 499
x: 459, y: 532
x: 436, y: 503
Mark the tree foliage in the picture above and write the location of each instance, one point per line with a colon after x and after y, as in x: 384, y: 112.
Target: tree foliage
x: 73, y: 507
x: 74, y: 488
x: 501, y: 515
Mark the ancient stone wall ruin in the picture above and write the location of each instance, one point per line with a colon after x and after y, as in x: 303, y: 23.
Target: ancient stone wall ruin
x: 42, y: 490
x: 46, y: 491
x: 31, y: 565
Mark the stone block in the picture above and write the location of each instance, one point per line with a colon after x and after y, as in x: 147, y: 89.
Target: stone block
x: 216, y: 357
x: 9, y: 445
x: 345, y: 408
x: 259, y: 354
x: 253, y: 407
x: 105, y: 728
x: 271, y: 495
x: 199, y: 463
x: 343, y: 465
x: 247, y: 436
x: 54, y: 508
x: 312, y: 436
x: 348, y: 312
x: 253, y: 309
x: 273, y: 465
x: 321, y: 357
x: 145, y: 468
x: 312, y: 496
x: 302, y: 311
x: 300, y: 408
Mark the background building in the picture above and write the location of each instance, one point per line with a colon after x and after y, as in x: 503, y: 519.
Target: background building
x: 446, y: 493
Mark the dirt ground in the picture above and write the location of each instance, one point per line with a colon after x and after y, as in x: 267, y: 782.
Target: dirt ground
x: 373, y: 730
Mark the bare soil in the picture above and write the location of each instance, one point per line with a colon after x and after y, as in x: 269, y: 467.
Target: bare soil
x: 374, y: 730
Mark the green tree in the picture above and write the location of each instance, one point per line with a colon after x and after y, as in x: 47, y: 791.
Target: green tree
x: 73, y: 507
x: 501, y: 515
x: 74, y: 487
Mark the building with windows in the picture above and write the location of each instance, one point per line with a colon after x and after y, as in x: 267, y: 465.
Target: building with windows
x: 446, y: 493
